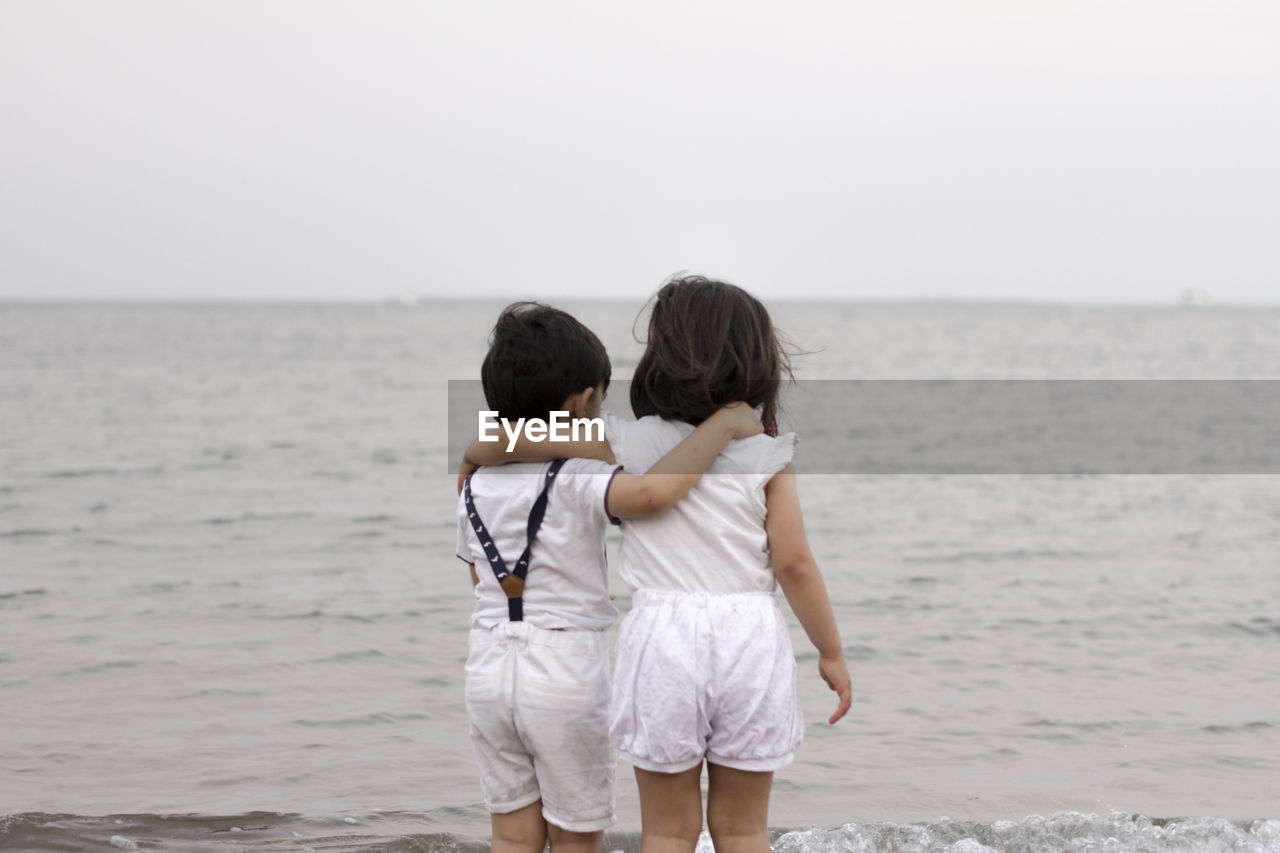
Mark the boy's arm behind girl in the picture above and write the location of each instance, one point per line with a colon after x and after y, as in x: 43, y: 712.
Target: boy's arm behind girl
x: 802, y: 584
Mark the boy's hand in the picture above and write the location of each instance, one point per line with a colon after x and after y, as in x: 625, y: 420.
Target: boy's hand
x: 836, y: 674
x: 740, y: 419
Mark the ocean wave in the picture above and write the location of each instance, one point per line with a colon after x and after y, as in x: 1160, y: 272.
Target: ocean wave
x: 362, y: 833
x: 1066, y: 831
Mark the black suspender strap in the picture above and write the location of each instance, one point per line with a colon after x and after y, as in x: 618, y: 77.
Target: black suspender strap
x: 512, y: 582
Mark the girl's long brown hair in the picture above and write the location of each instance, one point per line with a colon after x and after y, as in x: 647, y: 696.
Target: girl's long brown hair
x: 710, y: 343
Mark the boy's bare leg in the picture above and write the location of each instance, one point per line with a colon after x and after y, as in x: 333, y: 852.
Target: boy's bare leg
x: 670, y: 810
x: 738, y: 809
x: 564, y: 841
x: 520, y: 831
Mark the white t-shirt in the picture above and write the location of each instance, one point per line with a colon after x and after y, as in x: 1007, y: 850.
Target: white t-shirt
x: 567, y: 585
x: 713, y: 539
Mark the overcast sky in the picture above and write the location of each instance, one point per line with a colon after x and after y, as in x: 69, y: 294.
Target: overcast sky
x: 1066, y: 150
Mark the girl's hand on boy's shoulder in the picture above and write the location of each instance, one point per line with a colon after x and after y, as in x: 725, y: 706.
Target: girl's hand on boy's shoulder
x: 740, y: 418
x: 836, y: 674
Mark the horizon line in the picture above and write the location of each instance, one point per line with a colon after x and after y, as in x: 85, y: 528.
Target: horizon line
x: 412, y: 301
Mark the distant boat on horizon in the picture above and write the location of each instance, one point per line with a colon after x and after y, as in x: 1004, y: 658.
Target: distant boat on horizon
x: 1192, y: 298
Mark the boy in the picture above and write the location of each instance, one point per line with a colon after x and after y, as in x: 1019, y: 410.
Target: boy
x: 537, y: 685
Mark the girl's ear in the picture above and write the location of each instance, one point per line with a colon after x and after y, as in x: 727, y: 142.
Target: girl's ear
x: 576, y: 404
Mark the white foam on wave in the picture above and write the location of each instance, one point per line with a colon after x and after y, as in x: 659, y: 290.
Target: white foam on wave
x: 1065, y: 831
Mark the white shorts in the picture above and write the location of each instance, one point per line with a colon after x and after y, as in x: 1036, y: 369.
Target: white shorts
x: 538, y: 703
x: 701, y: 676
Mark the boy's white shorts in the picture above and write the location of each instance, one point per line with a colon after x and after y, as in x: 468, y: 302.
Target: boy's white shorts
x: 538, y: 703
x: 701, y: 676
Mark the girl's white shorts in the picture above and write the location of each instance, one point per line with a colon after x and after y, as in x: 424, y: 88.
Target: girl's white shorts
x: 701, y: 676
x: 538, y: 703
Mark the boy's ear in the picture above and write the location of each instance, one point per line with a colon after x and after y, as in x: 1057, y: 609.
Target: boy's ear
x: 576, y: 404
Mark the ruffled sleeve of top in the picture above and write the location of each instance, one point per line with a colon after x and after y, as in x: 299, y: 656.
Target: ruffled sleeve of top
x: 776, y: 455
x: 616, y: 431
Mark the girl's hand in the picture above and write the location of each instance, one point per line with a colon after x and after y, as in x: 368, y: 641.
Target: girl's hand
x: 740, y: 419
x: 836, y: 674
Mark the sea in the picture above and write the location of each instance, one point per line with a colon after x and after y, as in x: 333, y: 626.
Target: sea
x: 231, y: 616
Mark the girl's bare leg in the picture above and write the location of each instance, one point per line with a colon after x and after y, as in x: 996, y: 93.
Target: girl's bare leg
x: 520, y: 831
x: 670, y: 810
x: 738, y: 809
x: 564, y: 841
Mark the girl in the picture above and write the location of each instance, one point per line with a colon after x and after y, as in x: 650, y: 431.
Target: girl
x: 705, y: 671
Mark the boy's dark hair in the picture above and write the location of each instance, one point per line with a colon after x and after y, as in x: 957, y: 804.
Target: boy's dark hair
x: 538, y: 356
x: 710, y: 343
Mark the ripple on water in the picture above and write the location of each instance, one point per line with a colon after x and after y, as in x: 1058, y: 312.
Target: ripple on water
x: 255, y: 516
x: 1261, y: 626
x: 1255, y: 726
x: 380, y: 718
x: 1018, y: 554
x: 23, y: 593
x: 34, y: 532
x: 1101, y: 725
x: 77, y: 473
x: 361, y: 618
x: 353, y: 656
x: 218, y: 692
